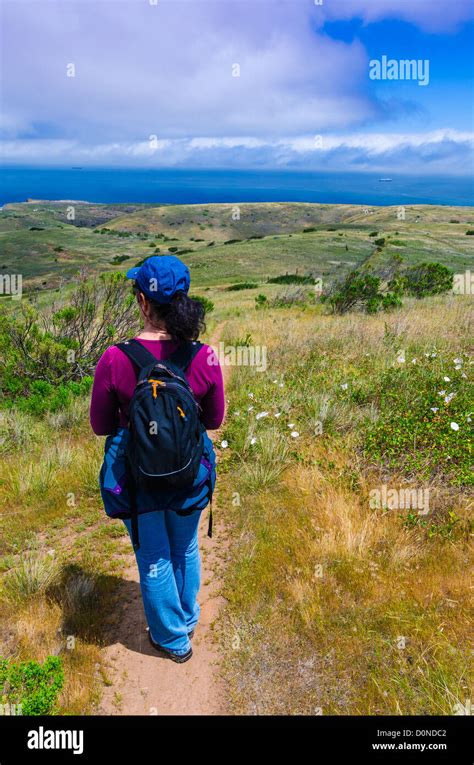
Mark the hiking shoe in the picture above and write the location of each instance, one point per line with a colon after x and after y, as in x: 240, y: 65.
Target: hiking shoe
x: 178, y: 658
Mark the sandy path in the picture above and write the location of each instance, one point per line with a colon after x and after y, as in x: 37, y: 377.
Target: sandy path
x: 143, y: 683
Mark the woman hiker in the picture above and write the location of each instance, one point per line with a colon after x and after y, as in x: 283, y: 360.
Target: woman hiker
x: 159, y: 475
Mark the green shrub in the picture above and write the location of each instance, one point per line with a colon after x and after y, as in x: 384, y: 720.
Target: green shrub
x: 427, y: 279
x: 360, y: 291
x: 32, y: 685
x: 207, y: 304
x: 291, y: 279
x: 470, y: 232
x: 241, y: 286
x: 261, y: 301
x: 379, y: 242
x: 49, y: 355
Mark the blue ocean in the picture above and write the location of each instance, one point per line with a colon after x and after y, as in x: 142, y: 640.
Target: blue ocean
x: 164, y: 186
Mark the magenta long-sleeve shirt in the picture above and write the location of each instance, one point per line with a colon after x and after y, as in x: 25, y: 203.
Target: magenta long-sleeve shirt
x: 116, y: 376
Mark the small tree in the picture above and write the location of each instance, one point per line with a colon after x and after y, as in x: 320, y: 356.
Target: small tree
x: 427, y: 279
x: 261, y: 301
x: 360, y: 290
x: 63, y: 344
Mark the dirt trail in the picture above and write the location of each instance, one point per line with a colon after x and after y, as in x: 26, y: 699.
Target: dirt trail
x: 143, y: 683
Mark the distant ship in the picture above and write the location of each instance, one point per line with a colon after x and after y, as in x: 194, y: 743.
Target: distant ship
x: 385, y: 180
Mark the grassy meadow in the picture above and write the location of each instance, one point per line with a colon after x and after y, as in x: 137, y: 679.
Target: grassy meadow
x: 336, y: 607
x: 333, y: 605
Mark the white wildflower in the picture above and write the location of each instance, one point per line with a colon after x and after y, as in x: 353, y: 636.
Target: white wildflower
x: 434, y: 409
x: 447, y: 379
x: 454, y: 426
x: 261, y: 414
x: 345, y: 386
x: 224, y: 444
x: 294, y: 434
x: 253, y: 441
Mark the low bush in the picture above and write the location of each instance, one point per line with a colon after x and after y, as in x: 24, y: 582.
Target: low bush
x: 292, y: 279
x: 49, y: 355
x: 32, y: 686
x: 241, y: 286
x: 360, y: 290
x: 426, y: 279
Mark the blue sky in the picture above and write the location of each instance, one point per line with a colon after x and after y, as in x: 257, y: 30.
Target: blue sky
x: 154, y: 84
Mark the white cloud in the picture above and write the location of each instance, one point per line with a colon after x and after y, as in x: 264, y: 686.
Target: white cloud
x: 167, y: 70
x: 439, y: 151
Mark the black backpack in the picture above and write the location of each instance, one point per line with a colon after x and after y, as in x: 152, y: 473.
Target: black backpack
x: 166, y: 435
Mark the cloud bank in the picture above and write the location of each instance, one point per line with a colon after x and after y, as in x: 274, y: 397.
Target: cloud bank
x: 440, y: 151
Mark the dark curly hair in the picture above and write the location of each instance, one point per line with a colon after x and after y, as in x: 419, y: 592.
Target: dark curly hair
x: 183, y: 317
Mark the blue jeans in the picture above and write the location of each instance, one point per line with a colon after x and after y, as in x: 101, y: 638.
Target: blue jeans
x: 169, y: 566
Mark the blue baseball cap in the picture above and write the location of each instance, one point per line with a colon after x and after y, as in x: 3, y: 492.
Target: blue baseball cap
x: 160, y: 277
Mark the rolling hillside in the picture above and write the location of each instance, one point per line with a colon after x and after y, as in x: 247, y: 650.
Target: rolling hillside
x: 37, y: 240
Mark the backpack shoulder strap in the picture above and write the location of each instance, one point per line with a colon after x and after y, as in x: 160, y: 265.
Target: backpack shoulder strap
x: 137, y: 353
x: 184, y: 354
